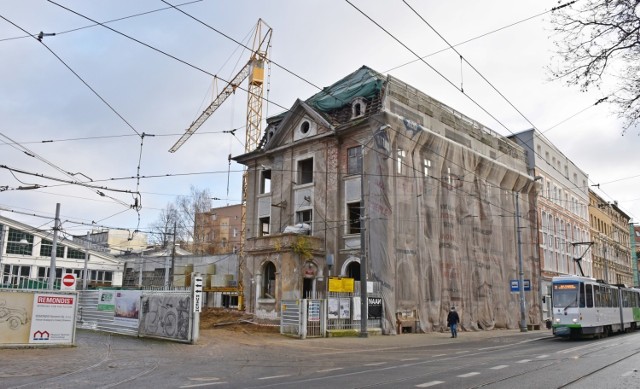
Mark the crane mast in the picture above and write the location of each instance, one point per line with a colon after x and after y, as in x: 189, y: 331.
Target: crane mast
x: 254, y: 70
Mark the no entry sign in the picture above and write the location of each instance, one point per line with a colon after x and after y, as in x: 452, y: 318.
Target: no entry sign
x: 68, y: 282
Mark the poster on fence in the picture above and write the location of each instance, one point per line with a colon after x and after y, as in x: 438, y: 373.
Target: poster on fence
x: 345, y: 308
x: 356, y: 312
x: 374, y: 308
x: 334, y: 308
x: 37, y: 318
x: 106, y: 300
x: 127, y: 307
x: 53, y: 319
x: 15, y: 315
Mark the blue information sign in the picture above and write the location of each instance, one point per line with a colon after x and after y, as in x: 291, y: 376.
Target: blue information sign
x: 515, y: 285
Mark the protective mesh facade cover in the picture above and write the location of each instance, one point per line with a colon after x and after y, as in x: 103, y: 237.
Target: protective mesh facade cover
x: 441, y: 228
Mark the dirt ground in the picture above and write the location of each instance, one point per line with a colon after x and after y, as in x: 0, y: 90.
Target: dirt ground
x: 234, y: 320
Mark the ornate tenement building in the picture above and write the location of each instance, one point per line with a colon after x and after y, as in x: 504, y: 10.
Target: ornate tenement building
x: 611, y: 238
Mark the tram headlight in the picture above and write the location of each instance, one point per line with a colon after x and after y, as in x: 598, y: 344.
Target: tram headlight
x: 557, y: 320
x: 575, y: 320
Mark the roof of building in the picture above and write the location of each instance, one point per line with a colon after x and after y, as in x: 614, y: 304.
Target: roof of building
x: 364, y: 82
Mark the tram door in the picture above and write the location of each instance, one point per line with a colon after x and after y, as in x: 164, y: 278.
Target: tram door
x: 547, y: 304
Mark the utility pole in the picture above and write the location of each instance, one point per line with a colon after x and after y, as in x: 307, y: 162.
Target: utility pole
x: 86, y: 263
x: 523, y: 319
x: 54, y: 249
x: 2, y: 232
x: 173, y: 252
x: 364, y: 300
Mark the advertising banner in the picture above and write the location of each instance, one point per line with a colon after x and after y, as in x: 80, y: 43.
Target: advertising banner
x: 374, y: 308
x: 107, y: 300
x: 356, y: 312
x: 53, y: 318
x: 127, y: 307
x: 37, y: 318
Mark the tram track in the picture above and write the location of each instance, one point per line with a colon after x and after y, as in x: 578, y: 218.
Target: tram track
x: 95, y: 372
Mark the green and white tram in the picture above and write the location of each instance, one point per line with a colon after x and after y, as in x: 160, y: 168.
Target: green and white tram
x: 584, y: 306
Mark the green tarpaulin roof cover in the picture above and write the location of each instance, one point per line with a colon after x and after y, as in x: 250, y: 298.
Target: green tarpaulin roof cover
x: 364, y: 82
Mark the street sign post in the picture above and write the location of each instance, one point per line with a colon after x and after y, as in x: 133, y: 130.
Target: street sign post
x: 197, y: 294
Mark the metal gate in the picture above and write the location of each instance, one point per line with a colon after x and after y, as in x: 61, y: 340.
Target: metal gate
x: 290, y: 317
x: 161, y: 314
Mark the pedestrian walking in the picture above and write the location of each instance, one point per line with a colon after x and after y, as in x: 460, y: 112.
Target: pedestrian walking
x: 452, y: 321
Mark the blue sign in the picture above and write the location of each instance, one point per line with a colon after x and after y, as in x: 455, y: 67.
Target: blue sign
x: 515, y: 285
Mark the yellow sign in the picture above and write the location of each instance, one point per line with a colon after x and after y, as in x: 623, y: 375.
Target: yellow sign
x: 339, y: 284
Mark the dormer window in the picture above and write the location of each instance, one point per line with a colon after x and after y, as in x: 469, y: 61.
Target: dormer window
x: 358, y: 108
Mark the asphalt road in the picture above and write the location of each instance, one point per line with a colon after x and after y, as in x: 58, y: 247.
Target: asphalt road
x: 226, y: 359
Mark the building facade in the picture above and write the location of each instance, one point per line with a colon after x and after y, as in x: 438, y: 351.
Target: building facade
x: 562, y: 213
x: 218, y: 230
x: 117, y: 242
x: 440, y: 207
x: 611, y: 238
x: 25, y: 258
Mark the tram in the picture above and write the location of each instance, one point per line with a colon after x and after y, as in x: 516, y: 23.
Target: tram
x: 584, y: 306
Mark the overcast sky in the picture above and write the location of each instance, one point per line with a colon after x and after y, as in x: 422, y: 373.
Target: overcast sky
x: 60, y: 125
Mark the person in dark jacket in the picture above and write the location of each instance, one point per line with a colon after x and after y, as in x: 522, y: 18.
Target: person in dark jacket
x: 452, y: 321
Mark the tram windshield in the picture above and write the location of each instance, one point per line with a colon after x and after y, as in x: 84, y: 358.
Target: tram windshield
x: 566, y: 295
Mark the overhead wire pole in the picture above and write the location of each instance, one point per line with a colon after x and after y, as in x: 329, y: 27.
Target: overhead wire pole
x: 54, y: 249
x: 523, y: 319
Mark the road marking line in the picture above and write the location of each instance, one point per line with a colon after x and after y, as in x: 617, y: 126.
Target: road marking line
x: 628, y: 373
x: 204, y: 379
x: 499, y: 367
x: 204, y: 384
x: 326, y: 370
x: 542, y: 356
x: 274, y: 376
x: 461, y: 352
x: 375, y: 364
x: 427, y: 384
x: 468, y: 374
x: 439, y: 355
x: 409, y: 359
x: 524, y: 361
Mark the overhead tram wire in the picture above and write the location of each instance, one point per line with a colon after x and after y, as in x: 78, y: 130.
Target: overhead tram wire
x: 77, y: 76
x: 280, y: 66
x: 488, y: 82
x: 156, y: 49
x: 105, y: 22
x: 476, y: 38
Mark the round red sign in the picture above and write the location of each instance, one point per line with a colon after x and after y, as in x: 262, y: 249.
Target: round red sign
x: 68, y: 280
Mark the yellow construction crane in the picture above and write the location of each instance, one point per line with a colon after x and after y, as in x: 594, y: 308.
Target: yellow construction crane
x: 254, y: 70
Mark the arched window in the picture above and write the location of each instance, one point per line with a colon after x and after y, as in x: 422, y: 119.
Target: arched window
x: 269, y: 280
x: 353, y: 271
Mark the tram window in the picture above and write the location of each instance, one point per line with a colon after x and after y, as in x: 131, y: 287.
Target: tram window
x: 615, y: 298
x: 598, y: 297
x: 589, y: 295
x: 582, y: 295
